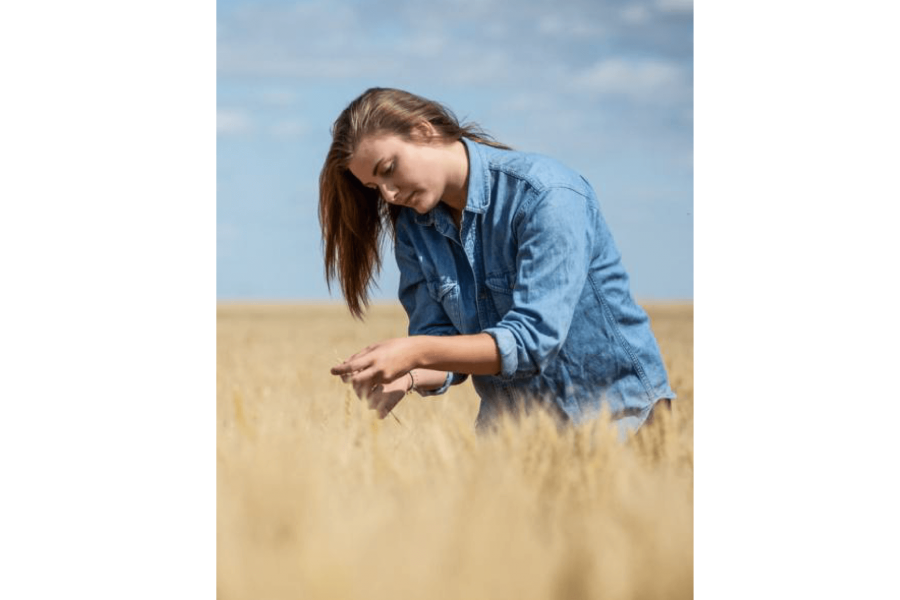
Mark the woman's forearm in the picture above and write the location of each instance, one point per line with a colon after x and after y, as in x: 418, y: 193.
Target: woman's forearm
x: 472, y: 354
x: 428, y: 380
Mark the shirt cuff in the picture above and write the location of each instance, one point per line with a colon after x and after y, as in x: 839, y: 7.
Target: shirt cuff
x: 440, y: 390
x: 506, y: 345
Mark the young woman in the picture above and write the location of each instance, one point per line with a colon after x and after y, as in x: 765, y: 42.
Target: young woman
x: 508, y: 271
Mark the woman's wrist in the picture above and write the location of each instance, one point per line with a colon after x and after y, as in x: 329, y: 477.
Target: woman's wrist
x: 420, y: 348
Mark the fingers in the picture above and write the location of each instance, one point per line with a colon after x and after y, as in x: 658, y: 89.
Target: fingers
x: 357, y: 362
x: 364, y: 381
x: 376, y: 396
x: 349, y: 367
x: 344, y: 368
x: 368, y: 371
x: 345, y: 377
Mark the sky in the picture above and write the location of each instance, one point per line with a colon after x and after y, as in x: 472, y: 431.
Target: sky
x: 605, y: 87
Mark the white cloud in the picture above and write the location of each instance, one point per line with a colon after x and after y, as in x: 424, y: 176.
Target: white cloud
x: 278, y: 98
x: 290, y: 128
x: 306, y: 39
x: 647, y: 80
x: 232, y: 121
x: 635, y: 14
x: 675, y: 5
x: 567, y: 27
x: 475, y: 43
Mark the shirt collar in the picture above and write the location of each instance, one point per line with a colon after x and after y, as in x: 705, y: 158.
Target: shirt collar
x: 477, y: 196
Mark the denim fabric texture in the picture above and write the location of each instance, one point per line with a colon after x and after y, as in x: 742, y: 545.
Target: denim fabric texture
x: 535, y: 266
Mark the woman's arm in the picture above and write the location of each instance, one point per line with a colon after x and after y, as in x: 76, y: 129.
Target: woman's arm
x: 387, y: 361
x: 471, y: 354
x: 556, y: 242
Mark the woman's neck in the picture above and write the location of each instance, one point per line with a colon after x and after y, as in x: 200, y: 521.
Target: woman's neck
x: 456, y: 192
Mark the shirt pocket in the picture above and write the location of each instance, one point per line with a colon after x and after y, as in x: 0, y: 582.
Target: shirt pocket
x: 501, y: 285
x: 445, y: 292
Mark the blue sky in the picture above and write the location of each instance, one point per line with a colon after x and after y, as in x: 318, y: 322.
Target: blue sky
x: 606, y: 87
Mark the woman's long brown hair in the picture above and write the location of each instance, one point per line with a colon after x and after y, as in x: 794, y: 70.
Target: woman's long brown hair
x: 353, y: 217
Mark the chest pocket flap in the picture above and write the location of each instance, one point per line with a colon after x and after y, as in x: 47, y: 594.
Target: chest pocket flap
x: 501, y: 286
x: 501, y: 282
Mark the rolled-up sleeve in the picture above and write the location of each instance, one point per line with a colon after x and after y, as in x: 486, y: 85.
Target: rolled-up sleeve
x: 555, y: 243
x: 426, y: 316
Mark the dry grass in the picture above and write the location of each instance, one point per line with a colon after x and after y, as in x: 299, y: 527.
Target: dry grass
x: 319, y: 499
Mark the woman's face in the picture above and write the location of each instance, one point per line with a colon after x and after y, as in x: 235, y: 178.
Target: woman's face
x: 405, y: 173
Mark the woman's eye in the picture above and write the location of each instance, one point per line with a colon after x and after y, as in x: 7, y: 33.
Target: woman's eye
x: 389, y: 169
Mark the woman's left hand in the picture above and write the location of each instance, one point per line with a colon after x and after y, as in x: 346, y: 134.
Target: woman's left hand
x: 378, y: 364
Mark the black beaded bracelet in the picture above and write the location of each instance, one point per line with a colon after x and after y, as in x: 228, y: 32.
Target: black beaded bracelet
x: 412, y: 388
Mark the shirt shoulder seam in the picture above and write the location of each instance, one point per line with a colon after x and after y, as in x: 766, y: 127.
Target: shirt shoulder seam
x: 529, y: 203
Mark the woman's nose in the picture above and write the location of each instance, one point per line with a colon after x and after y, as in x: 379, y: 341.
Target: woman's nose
x: 388, y: 192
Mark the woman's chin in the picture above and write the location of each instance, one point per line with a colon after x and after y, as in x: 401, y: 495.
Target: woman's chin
x: 415, y: 203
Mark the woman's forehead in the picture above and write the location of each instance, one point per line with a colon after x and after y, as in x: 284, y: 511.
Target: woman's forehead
x: 369, y: 151
x: 373, y: 144
x: 372, y: 149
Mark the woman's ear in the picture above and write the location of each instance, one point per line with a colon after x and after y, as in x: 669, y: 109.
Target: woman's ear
x: 425, y: 132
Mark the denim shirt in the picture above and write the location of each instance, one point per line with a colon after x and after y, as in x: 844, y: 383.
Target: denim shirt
x: 535, y: 266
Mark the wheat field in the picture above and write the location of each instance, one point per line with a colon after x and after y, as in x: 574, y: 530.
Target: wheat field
x: 317, y: 498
